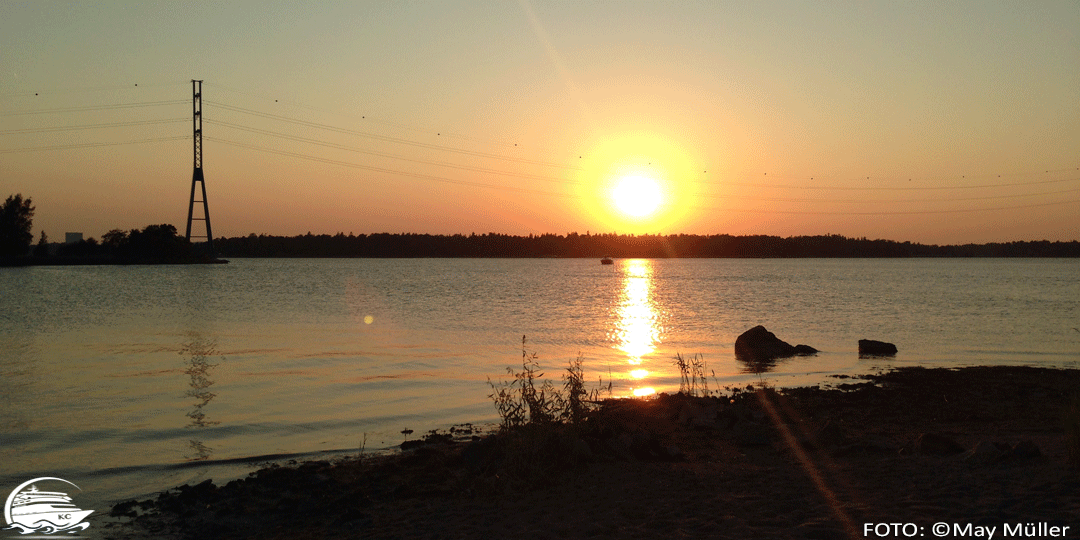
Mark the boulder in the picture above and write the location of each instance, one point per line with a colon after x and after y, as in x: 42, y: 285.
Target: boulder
x: 869, y: 347
x: 759, y: 345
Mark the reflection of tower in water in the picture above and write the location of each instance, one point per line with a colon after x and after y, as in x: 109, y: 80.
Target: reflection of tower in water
x: 197, y: 351
x: 637, y: 329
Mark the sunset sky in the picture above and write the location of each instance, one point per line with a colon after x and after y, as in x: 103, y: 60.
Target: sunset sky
x: 935, y: 122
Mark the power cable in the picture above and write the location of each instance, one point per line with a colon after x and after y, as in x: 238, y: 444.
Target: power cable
x: 365, y: 117
x: 386, y: 138
x: 95, y: 126
x: 388, y: 171
x: 886, y: 201
x: 902, y: 188
x: 100, y: 107
x: 384, y: 154
x: 84, y: 89
x: 92, y: 145
x: 886, y: 213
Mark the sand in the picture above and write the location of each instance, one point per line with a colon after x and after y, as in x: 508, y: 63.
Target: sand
x: 971, y: 449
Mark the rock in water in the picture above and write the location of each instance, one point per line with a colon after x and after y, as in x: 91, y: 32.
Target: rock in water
x: 869, y: 347
x: 758, y: 345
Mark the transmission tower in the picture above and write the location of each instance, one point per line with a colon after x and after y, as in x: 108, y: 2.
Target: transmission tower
x: 197, y: 176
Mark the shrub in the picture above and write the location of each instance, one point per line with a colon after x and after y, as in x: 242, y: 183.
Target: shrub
x: 693, y: 375
x: 524, y: 399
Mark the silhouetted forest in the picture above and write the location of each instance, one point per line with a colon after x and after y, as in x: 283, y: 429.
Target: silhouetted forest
x: 154, y: 244
x: 616, y: 245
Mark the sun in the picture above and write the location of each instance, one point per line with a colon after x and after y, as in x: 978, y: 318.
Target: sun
x: 637, y: 182
x: 637, y: 196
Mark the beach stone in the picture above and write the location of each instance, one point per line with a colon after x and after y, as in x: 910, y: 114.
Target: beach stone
x: 758, y: 344
x: 870, y: 347
x: 936, y: 444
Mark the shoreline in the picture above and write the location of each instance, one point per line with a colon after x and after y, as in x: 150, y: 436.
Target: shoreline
x: 980, y: 445
x: 27, y: 262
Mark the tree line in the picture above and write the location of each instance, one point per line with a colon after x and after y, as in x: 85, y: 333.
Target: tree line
x: 617, y: 245
x: 157, y: 244
x: 153, y: 244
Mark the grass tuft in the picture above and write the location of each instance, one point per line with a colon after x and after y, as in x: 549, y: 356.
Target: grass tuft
x: 693, y: 382
x: 526, y: 400
x: 541, y: 430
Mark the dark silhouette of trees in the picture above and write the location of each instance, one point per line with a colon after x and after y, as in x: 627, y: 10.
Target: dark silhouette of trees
x: 622, y: 246
x: 85, y: 250
x: 16, y: 222
x: 42, y: 247
x: 154, y: 244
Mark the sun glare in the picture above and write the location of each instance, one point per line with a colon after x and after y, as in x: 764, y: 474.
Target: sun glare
x: 637, y: 196
x: 636, y: 183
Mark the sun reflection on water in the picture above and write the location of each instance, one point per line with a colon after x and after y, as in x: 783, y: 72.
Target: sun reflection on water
x: 637, y: 327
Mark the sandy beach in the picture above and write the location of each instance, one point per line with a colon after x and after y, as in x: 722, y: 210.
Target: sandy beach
x: 912, y: 452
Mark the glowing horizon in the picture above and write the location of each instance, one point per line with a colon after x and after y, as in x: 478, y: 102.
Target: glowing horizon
x: 901, y: 122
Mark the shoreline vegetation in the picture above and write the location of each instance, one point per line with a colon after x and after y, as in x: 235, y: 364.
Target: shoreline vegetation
x: 154, y: 244
x: 989, y: 446
x: 160, y: 244
x: 574, y: 245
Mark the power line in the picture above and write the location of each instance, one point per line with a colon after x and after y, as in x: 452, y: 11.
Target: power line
x: 486, y: 155
x: 93, y: 145
x: 887, y: 213
x: 537, y: 177
x: 386, y: 138
x: 388, y: 171
x: 98, y: 107
x: 548, y: 193
x: 877, y: 201
x: 902, y: 188
x: 386, y: 155
x: 84, y: 89
x: 94, y: 126
x: 366, y: 118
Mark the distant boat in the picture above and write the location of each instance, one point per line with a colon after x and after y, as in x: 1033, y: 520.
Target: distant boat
x: 607, y: 260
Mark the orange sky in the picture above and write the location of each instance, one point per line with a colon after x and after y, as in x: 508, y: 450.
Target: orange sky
x: 914, y: 121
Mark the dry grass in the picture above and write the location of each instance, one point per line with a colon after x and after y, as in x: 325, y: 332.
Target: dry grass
x: 541, y: 433
x: 527, y: 400
x: 693, y: 382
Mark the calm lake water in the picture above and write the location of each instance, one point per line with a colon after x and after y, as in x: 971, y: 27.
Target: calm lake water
x: 129, y: 380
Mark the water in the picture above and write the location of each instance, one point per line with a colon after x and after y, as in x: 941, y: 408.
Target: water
x: 129, y: 380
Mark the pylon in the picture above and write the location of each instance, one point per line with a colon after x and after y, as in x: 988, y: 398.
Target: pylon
x: 197, y: 175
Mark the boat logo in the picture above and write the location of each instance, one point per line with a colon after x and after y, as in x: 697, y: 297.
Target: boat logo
x: 30, y: 510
